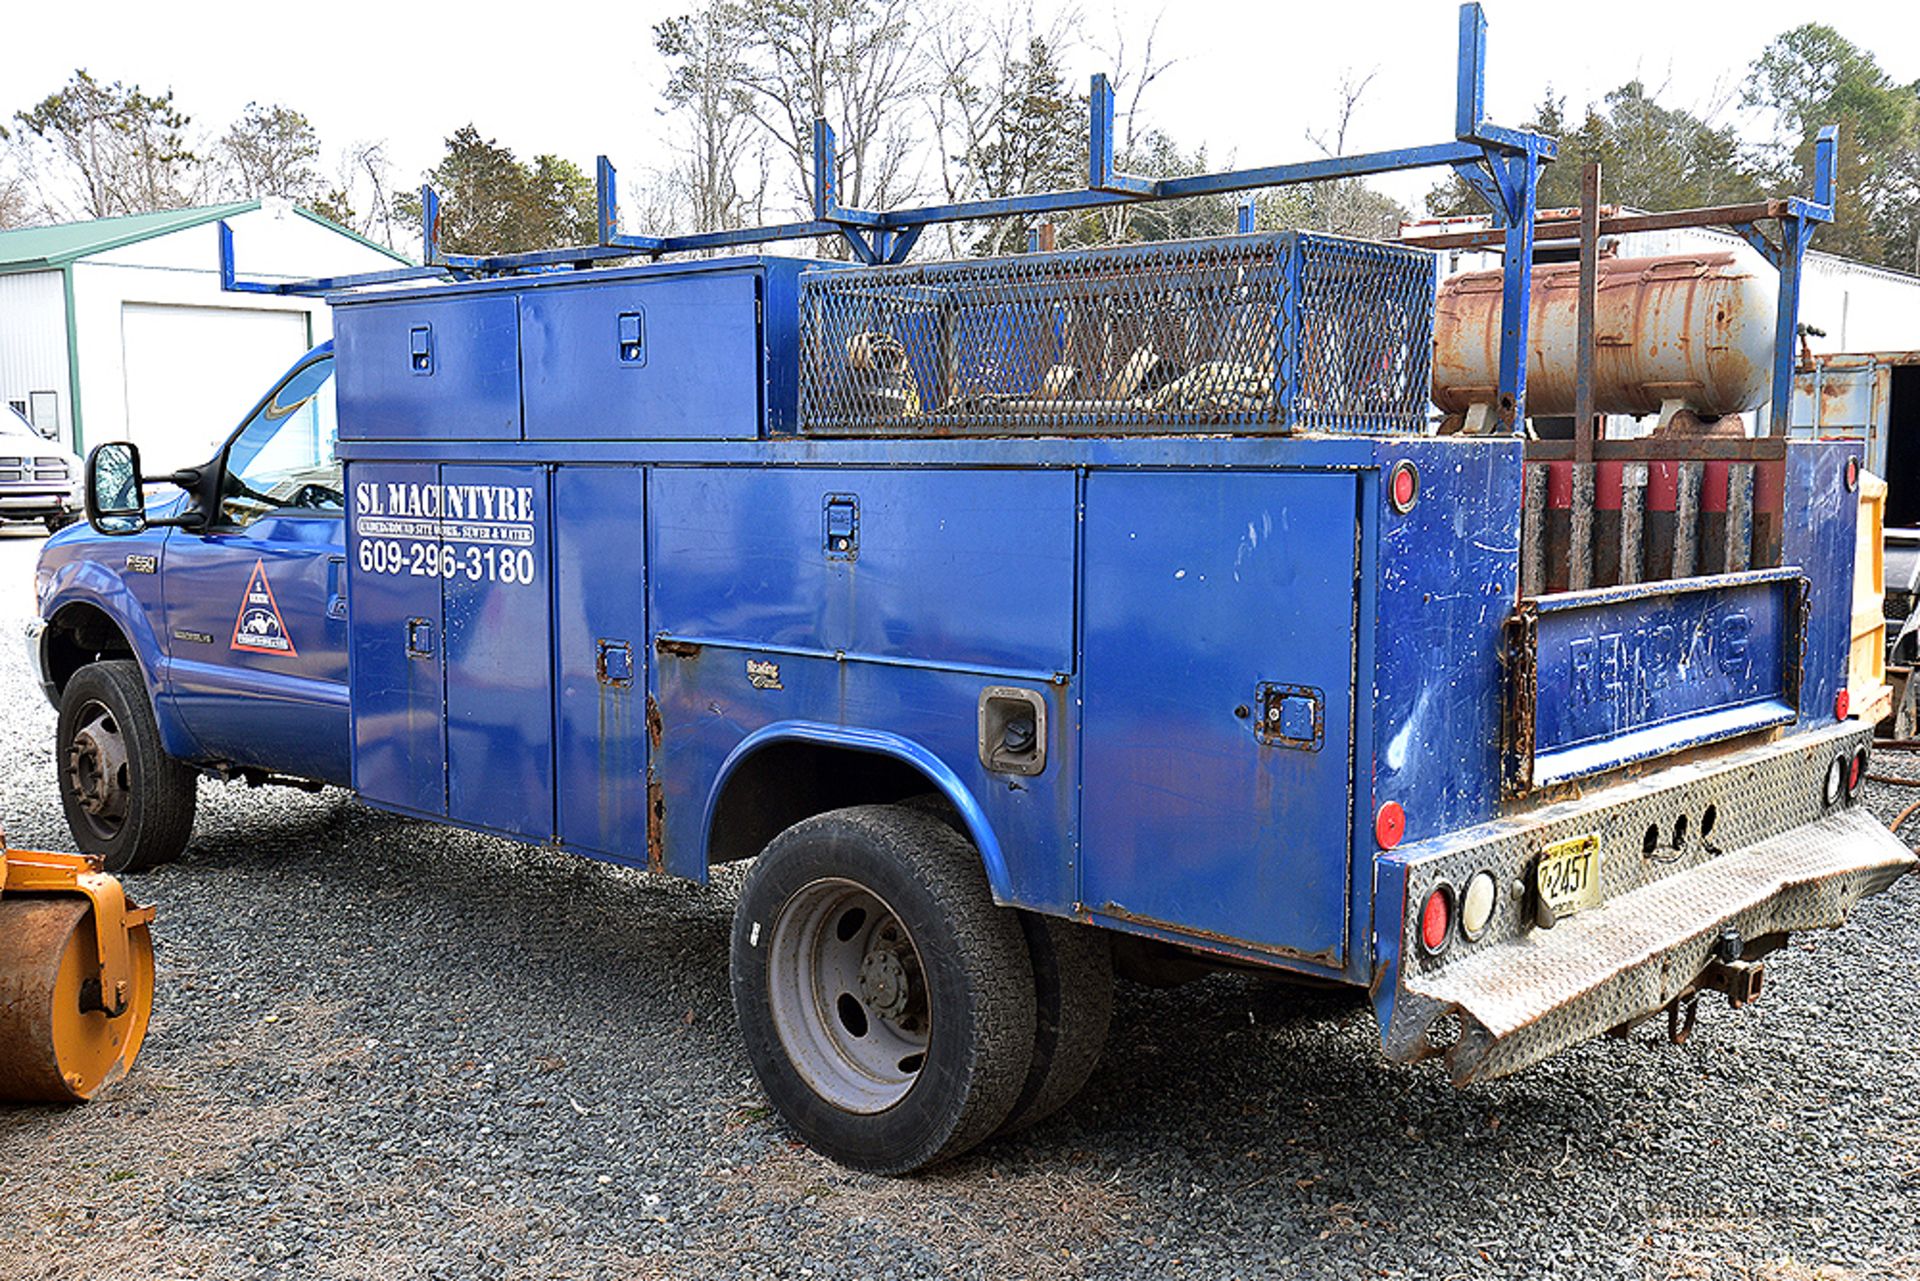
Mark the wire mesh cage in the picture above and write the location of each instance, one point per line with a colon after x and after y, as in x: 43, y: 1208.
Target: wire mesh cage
x: 1283, y: 332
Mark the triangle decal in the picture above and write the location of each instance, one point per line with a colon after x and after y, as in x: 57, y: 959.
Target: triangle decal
x: 258, y: 628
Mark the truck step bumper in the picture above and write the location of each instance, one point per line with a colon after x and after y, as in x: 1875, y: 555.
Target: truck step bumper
x: 1529, y: 997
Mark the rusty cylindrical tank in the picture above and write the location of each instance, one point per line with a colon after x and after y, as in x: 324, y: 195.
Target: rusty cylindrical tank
x: 1693, y: 328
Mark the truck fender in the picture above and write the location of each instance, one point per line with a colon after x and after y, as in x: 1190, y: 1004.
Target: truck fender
x: 91, y: 584
x: 881, y: 743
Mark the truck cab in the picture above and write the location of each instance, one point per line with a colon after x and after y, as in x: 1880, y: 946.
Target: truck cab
x: 230, y: 606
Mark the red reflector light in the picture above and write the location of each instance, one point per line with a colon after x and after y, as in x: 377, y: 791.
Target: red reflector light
x: 1403, y: 486
x: 1841, y: 704
x: 1389, y: 825
x: 1436, y: 919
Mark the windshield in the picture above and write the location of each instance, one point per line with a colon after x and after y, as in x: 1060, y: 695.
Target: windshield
x: 284, y: 456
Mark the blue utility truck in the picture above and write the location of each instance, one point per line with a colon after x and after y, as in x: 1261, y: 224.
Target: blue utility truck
x: 1019, y: 618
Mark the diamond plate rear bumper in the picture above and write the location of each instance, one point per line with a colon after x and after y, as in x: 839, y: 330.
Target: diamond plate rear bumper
x: 1522, y: 993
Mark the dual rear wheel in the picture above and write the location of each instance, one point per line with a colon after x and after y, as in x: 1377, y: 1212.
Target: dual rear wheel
x: 894, y: 1015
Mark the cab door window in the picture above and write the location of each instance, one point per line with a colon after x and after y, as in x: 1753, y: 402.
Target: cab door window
x: 284, y: 459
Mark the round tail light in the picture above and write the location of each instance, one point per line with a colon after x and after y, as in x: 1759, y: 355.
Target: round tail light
x: 1834, y: 785
x: 1856, y: 773
x: 1436, y: 920
x: 1842, y: 704
x: 1476, y: 904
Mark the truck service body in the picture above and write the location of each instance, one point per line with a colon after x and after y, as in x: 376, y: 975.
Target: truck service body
x: 693, y: 562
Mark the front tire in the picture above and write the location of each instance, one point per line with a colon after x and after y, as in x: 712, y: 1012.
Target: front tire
x: 126, y: 800
x: 886, y: 1004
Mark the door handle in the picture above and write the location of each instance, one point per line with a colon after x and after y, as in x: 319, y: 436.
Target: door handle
x: 336, y: 587
x: 419, y: 638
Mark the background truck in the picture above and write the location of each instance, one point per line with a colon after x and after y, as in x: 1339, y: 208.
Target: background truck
x: 1873, y: 400
x: 1018, y: 617
x: 38, y: 479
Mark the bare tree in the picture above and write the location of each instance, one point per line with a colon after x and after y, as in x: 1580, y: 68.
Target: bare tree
x: 17, y: 206
x: 1345, y: 206
x: 272, y: 151
x: 361, y: 196
x: 855, y: 62
x: 707, y: 95
x: 1004, y: 120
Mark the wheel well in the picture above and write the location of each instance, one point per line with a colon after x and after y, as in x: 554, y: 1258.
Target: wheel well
x: 78, y: 635
x: 783, y: 783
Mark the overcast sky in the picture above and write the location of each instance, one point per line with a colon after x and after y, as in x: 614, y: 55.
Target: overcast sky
x: 1251, y: 78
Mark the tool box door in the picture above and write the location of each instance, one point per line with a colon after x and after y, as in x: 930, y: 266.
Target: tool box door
x: 1218, y: 727
x: 395, y: 677
x: 600, y: 636
x: 429, y: 368
x: 499, y: 616
x: 669, y: 359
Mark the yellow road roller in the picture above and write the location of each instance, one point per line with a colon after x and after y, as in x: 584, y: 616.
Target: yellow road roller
x: 76, y: 977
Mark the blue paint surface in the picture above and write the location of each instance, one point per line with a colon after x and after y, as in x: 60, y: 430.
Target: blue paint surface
x: 495, y: 545
x: 467, y: 389
x: 1624, y: 676
x: 675, y: 358
x: 282, y: 711
x: 600, y: 710
x: 1199, y: 589
x: 961, y: 567
x: 1445, y: 585
x: 1815, y: 538
x: 399, y: 695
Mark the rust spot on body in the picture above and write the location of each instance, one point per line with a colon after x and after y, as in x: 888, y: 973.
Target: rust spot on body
x: 656, y: 825
x: 676, y: 649
x: 653, y: 723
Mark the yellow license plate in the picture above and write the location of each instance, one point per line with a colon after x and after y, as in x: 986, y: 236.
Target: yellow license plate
x: 1568, y: 875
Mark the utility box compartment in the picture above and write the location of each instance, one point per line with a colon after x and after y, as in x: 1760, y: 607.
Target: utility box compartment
x: 602, y: 660
x: 395, y: 653
x: 1218, y: 729
x: 445, y: 368
x: 452, y: 665
x: 705, y: 351
x: 678, y: 358
x: 967, y: 567
x: 499, y: 653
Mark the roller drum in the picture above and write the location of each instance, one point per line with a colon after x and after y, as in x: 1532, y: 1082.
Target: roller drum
x: 53, y: 1048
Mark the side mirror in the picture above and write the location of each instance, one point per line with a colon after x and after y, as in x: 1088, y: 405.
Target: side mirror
x: 116, y: 500
x: 116, y: 491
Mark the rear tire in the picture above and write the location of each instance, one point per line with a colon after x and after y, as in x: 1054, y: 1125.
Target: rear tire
x: 126, y: 800
x: 1073, y: 1006
x: 886, y: 1004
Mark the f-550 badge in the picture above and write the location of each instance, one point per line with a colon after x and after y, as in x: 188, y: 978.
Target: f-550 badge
x: 259, y: 628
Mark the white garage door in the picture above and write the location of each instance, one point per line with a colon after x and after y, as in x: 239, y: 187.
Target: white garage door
x: 193, y: 371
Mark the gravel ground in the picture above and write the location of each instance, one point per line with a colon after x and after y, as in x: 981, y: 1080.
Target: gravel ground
x: 384, y: 1049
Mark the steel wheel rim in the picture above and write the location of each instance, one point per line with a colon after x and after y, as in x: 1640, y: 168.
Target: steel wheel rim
x: 97, y: 770
x: 848, y: 995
